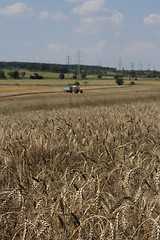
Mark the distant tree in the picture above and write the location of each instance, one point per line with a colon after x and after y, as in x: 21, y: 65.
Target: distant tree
x: 119, y: 80
x: 84, y: 75
x: 99, y: 75
x: 132, y: 83
x: 74, y: 75
x: 132, y: 74
x: 2, y: 75
x: 22, y: 74
x: 61, y: 75
x: 76, y: 83
x: 14, y: 74
x: 36, y: 76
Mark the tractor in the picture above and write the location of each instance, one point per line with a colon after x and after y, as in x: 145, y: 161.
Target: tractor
x: 72, y: 89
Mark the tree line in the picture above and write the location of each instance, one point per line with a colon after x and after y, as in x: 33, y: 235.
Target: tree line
x: 63, y: 69
x: 51, y: 67
x: 18, y: 75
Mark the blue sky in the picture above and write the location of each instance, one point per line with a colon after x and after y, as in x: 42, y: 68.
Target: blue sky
x: 114, y: 33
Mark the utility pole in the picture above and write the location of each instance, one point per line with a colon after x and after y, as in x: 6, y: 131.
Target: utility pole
x: 132, y: 66
x: 68, y: 62
x: 120, y: 64
x: 79, y: 61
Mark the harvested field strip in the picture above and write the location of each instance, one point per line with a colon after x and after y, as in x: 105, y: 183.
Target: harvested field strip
x: 97, y: 97
x: 21, y: 89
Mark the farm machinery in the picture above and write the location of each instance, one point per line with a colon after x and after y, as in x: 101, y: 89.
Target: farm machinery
x: 72, y: 89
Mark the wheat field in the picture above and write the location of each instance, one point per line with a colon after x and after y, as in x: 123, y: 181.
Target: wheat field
x: 81, y: 173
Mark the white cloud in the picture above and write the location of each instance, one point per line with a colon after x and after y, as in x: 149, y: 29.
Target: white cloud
x: 152, y: 19
x: 58, y: 16
x: 98, y: 48
x: 95, y: 16
x: 88, y: 27
x: 89, y: 6
x: 43, y: 15
x: 138, y: 48
x: 95, y: 24
x: 116, y: 17
x: 58, y: 52
x: 52, y: 52
x: 62, y: 47
x: 94, y: 20
x: 56, y: 47
x: 17, y: 9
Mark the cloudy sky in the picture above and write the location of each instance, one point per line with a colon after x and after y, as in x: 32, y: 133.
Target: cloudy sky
x: 114, y: 33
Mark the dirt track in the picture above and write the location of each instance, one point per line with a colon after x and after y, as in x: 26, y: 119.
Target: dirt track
x: 12, y: 93
x: 27, y: 93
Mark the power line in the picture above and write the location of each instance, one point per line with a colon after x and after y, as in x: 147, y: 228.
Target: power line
x: 132, y: 66
x: 68, y: 63
x: 79, y: 61
x: 68, y: 60
x: 120, y: 63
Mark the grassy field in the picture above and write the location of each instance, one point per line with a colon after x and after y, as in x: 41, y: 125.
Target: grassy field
x: 52, y: 79
x: 80, y: 166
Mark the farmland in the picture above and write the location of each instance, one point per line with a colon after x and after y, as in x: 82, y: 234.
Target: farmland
x: 80, y: 166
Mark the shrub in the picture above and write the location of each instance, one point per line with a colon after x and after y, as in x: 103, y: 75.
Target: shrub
x: 36, y: 76
x: 84, y: 75
x: 132, y: 83
x: 119, y: 80
x: 2, y: 75
x: 14, y: 74
x: 61, y: 76
x: 76, y: 83
x: 74, y: 76
x: 100, y: 76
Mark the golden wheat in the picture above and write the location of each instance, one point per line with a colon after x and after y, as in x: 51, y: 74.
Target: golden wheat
x: 89, y: 173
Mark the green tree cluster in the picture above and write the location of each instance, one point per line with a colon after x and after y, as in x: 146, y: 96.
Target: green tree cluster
x: 14, y: 74
x: 36, y: 76
x: 99, y: 75
x: 2, y: 75
x: 119, y: 80
x: 84, y: 74
x: 61, y: 75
